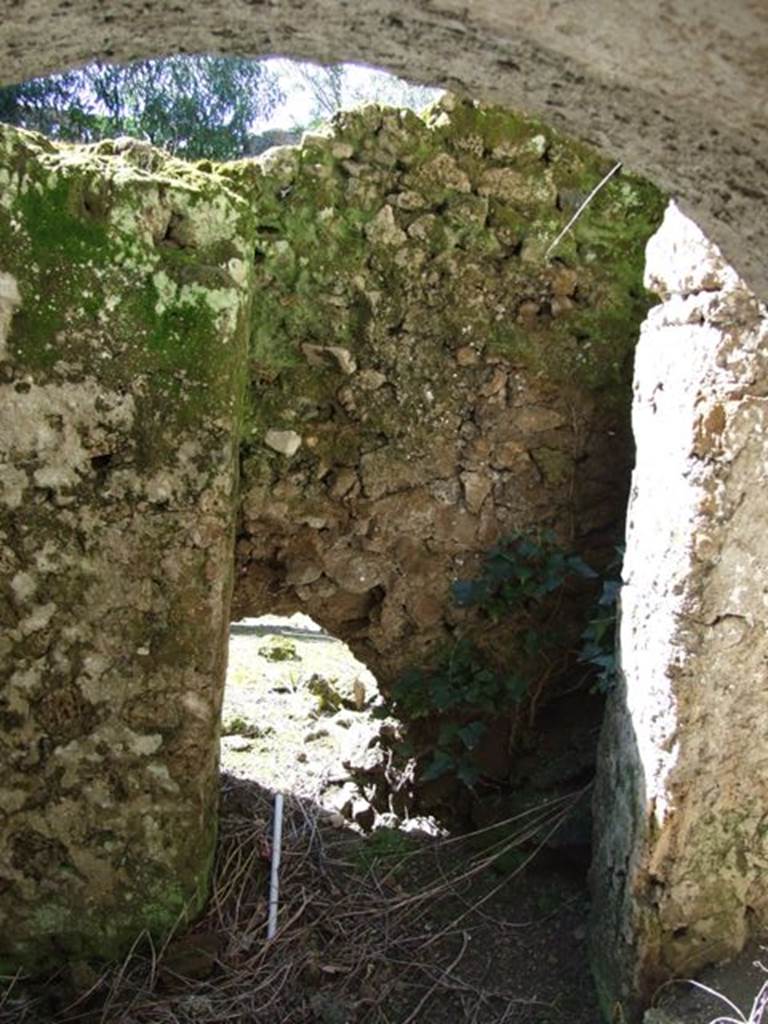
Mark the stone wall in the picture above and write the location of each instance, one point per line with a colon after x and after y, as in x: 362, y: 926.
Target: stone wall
x: 372, y: 324
x: 682, y: 796
x: 423, y: 378
x: 124, y: 286
x: 678, y: 95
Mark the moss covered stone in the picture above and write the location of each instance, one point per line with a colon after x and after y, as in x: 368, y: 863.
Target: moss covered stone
x: 491, y: 382
x: 122, y: 369
x: 371, y: 323
x: 447, y: 218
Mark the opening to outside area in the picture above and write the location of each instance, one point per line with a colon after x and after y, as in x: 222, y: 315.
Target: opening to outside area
x: 298, y: 718
x: 463, y: 526
x: 420, y: 880
x: 201, y: 107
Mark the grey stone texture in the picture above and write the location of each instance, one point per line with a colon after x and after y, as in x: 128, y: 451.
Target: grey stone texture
x: 442, y: 384
x: 681, y: 804
x: 674, y: 90
x: 121, y: 387
x: 447, y: 383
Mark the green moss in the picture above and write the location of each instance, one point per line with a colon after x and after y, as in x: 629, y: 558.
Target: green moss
x: 314, y: 263
x: 57, y: 932
x: 191, y: 371
x: 555, y: 466
x: 61, y: 243
x: 168, y: 906
x: 89, y: 287
x: 493, y: 125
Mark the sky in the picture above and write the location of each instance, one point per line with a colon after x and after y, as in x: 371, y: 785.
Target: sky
x: 360, y: 83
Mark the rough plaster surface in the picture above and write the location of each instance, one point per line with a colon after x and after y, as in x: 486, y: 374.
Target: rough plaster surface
x: 678, y: 94
x: 118, y: 466
x: 679, y: 870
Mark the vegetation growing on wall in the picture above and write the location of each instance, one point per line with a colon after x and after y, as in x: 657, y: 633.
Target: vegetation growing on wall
x: 426, y: 377
x: 450, y: 704
x: 122, y: 360
x: 173, y: 287
x: 390, y: 226
x: 423, y: 379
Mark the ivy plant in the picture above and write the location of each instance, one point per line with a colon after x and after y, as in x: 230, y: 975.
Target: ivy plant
x: 519, y: 571
x: 462, y: 690
x: 456, y: 693
x: 599, y: 638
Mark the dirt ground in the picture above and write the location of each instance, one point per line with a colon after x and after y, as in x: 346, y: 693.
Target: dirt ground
x: 500, y: 942
x: 734, y: 991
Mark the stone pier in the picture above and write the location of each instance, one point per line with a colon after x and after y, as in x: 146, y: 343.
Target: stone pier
x: 124, y: 282
x: 682, y: 797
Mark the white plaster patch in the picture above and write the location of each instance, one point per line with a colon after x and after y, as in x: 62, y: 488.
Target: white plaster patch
x: 38, y: 619
x: 10, y: 300
x: 13, y: 483
x: 6, y: 193
x: 145, y: 744
x: 160, y: 488
x: 162, y: 775
x: 58, y: 427
x: 166, y: 289
x: 238, y: 271
x: 26, y: 679
x: 94, y: 665
x: 196, y: 706
x: 23, y: 586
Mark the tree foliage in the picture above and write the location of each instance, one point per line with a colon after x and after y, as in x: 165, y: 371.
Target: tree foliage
x: 199, y: 107
x: 192, y: 106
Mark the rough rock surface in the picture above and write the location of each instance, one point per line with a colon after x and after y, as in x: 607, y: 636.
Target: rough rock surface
x: 443, y: 382
x: 679, y: 869
x: 122, y: 363
x: 423, y: 378
x: 679, y: 96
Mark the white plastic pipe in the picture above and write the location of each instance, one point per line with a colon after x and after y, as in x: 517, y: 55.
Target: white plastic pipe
x: 274, y: 875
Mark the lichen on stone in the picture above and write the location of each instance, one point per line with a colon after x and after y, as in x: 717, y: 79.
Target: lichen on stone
x: 124, y: 286
x: 416, y: 246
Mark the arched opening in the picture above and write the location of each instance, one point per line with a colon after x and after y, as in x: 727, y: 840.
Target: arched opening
x: 468, y: 487
x: 297, y: 714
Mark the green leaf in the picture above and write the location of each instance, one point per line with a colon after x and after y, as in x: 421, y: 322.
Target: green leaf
x: 515, y: 688
x: 471, y: 734
x: 466, y: 592
x: 580, y: 567
x: 467, y: 772
x: 441, y: 764
x: 447, y: 733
